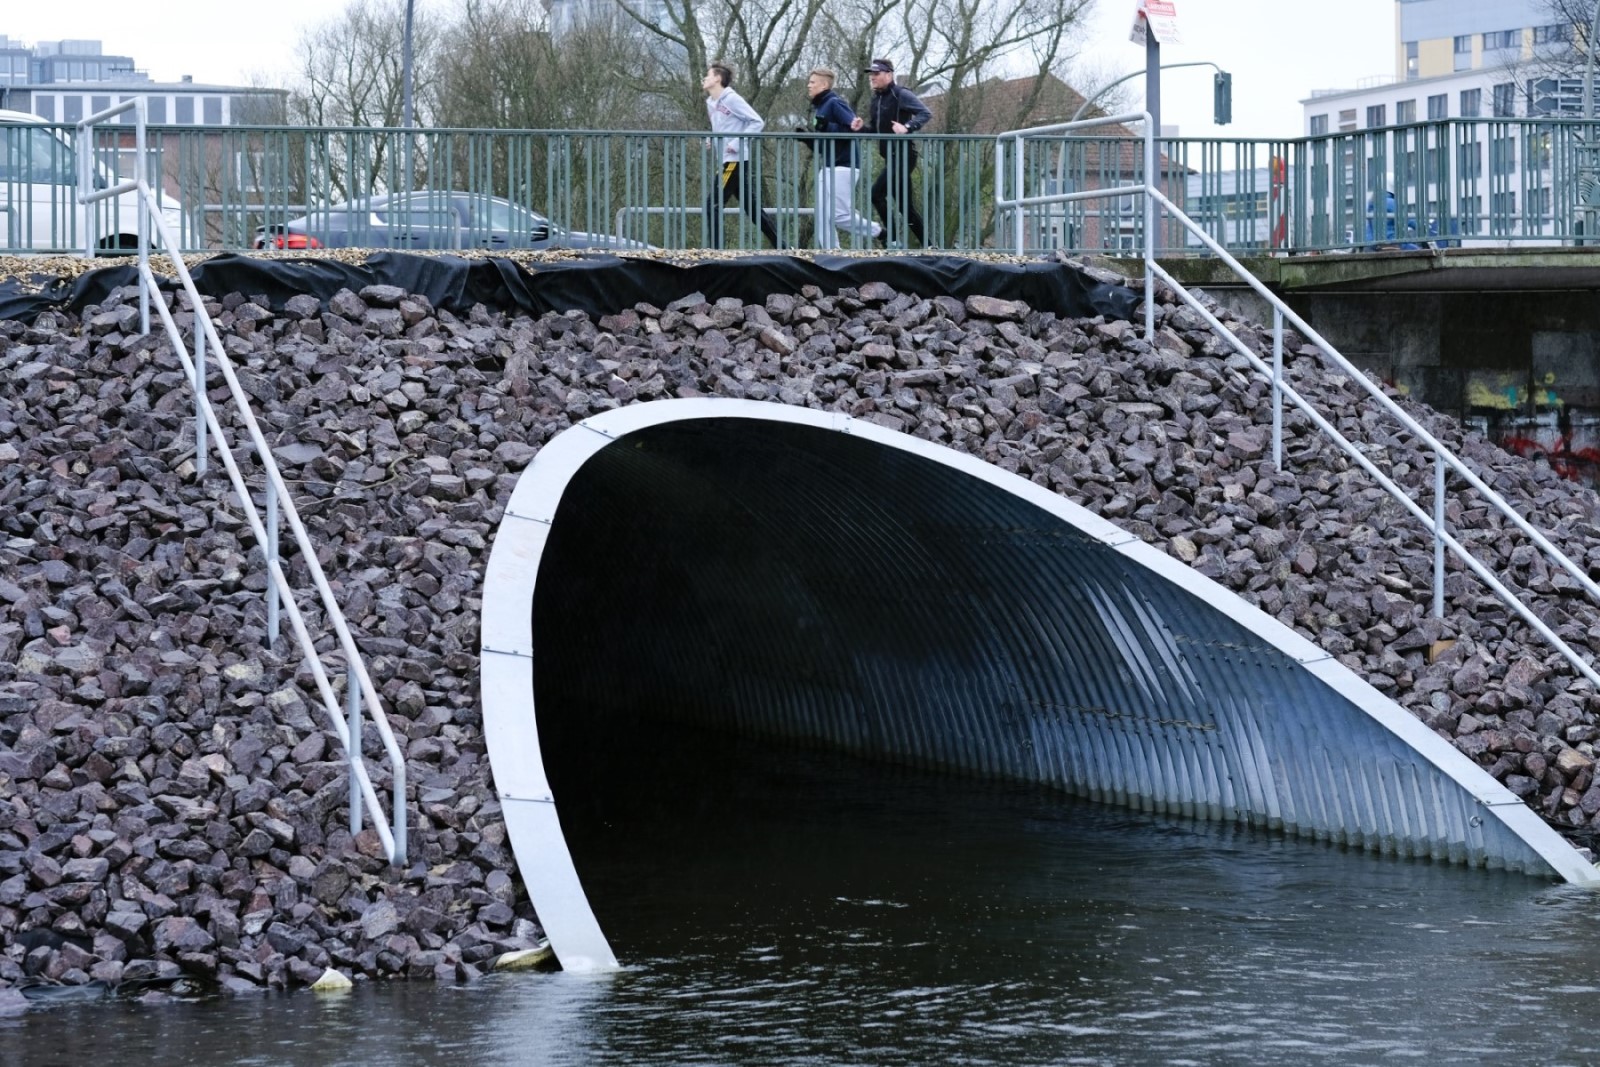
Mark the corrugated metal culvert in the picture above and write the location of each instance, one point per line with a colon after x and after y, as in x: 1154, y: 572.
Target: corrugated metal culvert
x: 810, y: 577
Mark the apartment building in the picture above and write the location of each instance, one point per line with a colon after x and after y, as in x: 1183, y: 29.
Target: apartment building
x: 1435, y: 38
x: 64, y: 81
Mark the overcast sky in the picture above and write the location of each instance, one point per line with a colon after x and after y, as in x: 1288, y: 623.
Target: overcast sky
x: 1276, y: 58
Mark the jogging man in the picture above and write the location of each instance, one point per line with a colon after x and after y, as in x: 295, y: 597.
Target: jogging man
x: 895, y: 110
x: 731, y: 119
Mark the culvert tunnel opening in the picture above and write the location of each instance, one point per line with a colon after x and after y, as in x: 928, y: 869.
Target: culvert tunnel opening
x: 810, y: 581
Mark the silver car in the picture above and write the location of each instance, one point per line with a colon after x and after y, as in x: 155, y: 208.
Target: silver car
x: 432, y: 219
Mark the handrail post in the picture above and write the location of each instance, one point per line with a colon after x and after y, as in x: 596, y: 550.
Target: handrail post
x: 398, y: 819
x: 199, y: 391
x: 85, y: 183
x: 1149, y: 230
x: 143, y: 231
x: 999, y: 186
x: 272, y: 558
x: 1016, y: 193
x: 353, y: 705
x: 1277, y: 387
x: 1438, y: 534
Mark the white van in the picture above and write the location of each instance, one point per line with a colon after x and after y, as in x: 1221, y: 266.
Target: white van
x: 39, y: 209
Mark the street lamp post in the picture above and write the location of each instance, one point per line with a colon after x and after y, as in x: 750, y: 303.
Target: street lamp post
x: 1587, y: 177
x: 405, y: 91
x: 405, y: 68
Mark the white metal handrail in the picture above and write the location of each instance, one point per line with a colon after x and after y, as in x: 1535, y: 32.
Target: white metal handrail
x: 1443, y: 457
x: 360, y: 692
x: 1015, y: 204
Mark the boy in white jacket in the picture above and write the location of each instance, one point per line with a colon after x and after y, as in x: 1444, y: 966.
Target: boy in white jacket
x: 730, y: 114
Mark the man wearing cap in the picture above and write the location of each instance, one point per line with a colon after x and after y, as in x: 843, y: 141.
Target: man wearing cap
x: 894, y: 109
x: 731, y: 114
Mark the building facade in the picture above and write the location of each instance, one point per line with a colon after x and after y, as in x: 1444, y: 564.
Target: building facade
x: 1442, y: 37
x: 65, y: 81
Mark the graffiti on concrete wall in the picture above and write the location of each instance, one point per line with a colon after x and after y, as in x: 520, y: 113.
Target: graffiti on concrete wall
x: 1544, y: 418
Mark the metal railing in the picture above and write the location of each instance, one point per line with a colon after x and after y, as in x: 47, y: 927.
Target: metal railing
x: 1485, y: 182
x: 1445, y: 460
x: 360, y: 694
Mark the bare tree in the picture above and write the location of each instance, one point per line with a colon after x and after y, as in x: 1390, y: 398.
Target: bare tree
x: 350, y: 75
x: 766, y: 42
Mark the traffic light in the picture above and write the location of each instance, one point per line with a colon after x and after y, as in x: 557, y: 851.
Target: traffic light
x: 1222, y: 98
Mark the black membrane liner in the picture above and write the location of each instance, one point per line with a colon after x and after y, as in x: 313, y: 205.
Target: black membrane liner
x: 599, y: 285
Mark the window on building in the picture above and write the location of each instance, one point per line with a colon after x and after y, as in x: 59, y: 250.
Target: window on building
x: 1405, y: 112
x: 1471, y: 103
x: 1319, y: 125
x: 1411, y: 61
x: 71, y: 108
x: 1347, y: 119
x: 1439, y: 106
x: 1505, y: 100
x: 1552, y: 34
x: 1494, y: 42
x: 1469, y: 161
x: 1463, y: 52
x: 1538, y: 201
x: 249, y: 167
x: 1502, y: 155
x: 98, y: 104
x: 1503, y: 206
x: 1377, y: 116
x: 45, y: 107
x: 1470, y: 211
x: 155, y: 109
x: 184, y: 115
x: 212, y: 110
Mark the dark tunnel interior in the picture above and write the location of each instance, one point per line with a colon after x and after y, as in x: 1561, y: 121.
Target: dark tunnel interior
x: 720, y: 594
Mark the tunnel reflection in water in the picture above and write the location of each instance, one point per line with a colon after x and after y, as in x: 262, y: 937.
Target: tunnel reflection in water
x: 790, y: 580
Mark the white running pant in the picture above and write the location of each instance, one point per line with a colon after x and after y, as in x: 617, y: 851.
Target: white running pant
x: 835, y: 186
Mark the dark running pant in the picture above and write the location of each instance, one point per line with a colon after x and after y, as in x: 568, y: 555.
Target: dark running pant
x: 735, y: 182
x: 895, y: 178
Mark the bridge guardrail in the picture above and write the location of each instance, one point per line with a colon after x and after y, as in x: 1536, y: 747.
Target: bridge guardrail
x: 1488, y: 182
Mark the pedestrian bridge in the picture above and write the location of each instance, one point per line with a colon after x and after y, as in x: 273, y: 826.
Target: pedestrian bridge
x: 815, y: 578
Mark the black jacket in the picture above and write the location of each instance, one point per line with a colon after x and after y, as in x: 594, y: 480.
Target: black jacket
x: 830, y: 114
x: 895, y: 104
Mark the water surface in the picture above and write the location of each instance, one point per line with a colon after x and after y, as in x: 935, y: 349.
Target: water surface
x: 803, y: 908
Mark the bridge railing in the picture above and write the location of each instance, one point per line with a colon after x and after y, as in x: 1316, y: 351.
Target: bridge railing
x: 1457, y: 181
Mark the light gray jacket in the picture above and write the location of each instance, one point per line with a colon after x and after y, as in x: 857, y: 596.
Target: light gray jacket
x: 730, y: 113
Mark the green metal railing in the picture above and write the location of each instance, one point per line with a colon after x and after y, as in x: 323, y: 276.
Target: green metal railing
x: 1472, y: 181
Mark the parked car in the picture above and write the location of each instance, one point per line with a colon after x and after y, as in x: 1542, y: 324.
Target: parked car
x: 39, y: 207
x: 431, y: 219
x: 1412, y: 236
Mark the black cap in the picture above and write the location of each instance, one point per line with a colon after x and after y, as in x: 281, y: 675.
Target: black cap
x: 880, y: 66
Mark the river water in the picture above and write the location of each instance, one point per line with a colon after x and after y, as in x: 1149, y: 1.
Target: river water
x: 805, y: 908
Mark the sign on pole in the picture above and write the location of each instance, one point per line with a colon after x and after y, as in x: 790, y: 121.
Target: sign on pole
x: 1159, y: 17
